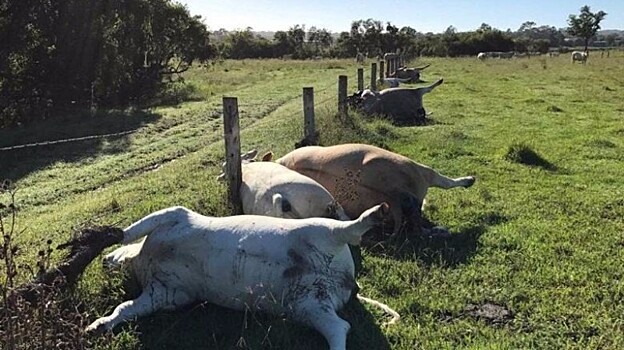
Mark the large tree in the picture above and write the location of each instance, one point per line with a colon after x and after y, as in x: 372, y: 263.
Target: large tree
x: 586, y: 24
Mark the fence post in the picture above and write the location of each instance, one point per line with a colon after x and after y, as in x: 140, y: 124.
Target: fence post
x: 373, y: 82
x: 309, y: 129
x: 360, y: 77
x: 231, y: 135
x: 381, y: 70
x: 342, y: 96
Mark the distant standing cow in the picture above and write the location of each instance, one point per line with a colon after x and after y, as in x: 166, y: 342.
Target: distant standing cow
x: 360, y: 58
x: 580, y: 56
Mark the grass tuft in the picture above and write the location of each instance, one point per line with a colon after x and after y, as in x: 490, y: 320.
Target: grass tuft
x: 524, y: 154
x: 554, y: 109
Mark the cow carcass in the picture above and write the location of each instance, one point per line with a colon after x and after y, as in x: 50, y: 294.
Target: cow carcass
x: 411, y: 74
x: 359, y: 175
x: 403, y: 106
x: 299, y: 268
x: 271, y: 189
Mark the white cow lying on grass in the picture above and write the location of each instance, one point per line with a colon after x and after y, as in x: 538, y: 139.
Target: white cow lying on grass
x: 394, y: 82
x: 272, y: 189
x: 300, y: 268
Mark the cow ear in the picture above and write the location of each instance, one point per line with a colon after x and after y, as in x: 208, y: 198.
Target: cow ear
x: 281, y: 204
x: 249, y: 156
x: 267, y: 157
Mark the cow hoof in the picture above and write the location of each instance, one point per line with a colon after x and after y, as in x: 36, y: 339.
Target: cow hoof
x: 95, y: 329
x: 470, y: 180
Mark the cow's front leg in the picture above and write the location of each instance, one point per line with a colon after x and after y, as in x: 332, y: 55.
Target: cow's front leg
x: 153, y: 298
x: 321, y: 316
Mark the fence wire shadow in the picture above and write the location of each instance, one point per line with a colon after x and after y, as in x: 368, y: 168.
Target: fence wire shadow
x: 69, y: 139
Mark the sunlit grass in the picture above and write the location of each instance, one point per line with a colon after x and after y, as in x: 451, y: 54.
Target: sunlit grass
x: 540, y: 232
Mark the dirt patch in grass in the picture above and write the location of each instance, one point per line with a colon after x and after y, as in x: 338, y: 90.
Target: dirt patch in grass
x: 490, y: 313
x: 601, y: 143
x: 524, y: 154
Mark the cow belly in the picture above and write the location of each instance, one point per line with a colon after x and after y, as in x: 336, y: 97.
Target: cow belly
x: 241, y: 274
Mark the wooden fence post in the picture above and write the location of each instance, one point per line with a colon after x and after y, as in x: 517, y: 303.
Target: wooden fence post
x: 342, y: 96
x: 360, y: 77
x: 231, y: 135
x: 381, y: 70
x: 309, y: 129
x: 373, y: 82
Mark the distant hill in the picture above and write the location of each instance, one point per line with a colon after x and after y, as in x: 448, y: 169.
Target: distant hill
x: 606, y: 32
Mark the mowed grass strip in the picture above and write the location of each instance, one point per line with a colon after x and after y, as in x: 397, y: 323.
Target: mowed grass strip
x: 542, y: 243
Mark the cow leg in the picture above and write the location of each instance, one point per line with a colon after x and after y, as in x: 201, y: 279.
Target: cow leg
x: 122, y: 255
x: 438, y: 180
x: 154, y: 297
x: 412, y: 209
x: 322, y: 317
x: 397, y: 220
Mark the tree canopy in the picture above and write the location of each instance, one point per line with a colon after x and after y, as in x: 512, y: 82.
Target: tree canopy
x: 586, y: 24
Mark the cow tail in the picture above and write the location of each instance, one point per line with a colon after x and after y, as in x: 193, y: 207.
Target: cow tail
x: 162, y: 218
x: 387, y: 309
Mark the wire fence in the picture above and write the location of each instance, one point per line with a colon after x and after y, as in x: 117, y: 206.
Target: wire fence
x: 211, y: 114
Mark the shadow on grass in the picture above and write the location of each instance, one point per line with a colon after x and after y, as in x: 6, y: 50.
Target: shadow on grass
x: 524, y: 154
x: 207, y: 326
x: 19, y: 162
x: 450, y: 251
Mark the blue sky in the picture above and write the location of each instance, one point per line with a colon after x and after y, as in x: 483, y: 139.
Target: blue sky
x: 424, y: 16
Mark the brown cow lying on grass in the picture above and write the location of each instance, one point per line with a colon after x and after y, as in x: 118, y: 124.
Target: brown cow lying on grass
x: 359, y: 175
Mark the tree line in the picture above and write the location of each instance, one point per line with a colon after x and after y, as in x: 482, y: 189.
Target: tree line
x: 60, y: 55
x: 372, y: 38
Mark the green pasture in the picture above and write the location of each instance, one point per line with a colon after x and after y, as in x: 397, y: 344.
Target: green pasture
x: 540, y: 235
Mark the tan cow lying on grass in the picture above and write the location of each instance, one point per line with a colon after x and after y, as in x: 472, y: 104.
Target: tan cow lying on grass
x: 358, y: 176
x: 300, y: 268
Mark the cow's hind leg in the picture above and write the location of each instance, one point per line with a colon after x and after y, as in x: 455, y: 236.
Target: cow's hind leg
x: 122, y: 255
x: 322, y: 317
x: 438, y: 180
x: 412, y: 209
x: 153, y: 298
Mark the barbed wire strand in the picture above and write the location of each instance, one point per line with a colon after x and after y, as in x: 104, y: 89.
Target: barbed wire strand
x: 212, y: 114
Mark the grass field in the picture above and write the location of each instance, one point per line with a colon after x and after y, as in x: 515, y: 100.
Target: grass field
x: 540, y: 235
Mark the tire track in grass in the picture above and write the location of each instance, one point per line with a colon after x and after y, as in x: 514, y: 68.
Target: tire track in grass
x: 178, y: 135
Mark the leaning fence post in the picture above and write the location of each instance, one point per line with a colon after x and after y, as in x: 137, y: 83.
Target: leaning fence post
x: 342, y: 96
x: 231, y: 135
x: 373, y: 82
x: 309, y: 129
x: 381, y: 70
x: 360, y: 77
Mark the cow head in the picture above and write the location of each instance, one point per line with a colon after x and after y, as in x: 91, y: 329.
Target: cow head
x: 248, y: 157
x: 364, y: 100
x: 283, y: 208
